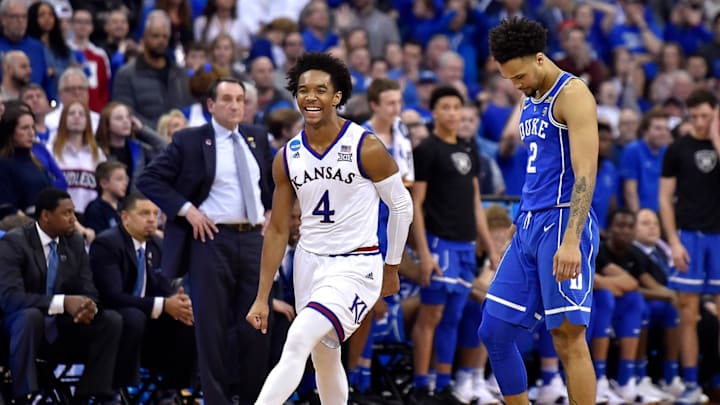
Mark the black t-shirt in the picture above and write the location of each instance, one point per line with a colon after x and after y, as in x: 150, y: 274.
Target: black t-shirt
x: 100, y: 215
x: 632, y: 260
x: 694, y: 165
x: 448, y: 170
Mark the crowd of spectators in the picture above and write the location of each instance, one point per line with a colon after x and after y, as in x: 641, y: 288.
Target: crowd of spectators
x: 95, y: 90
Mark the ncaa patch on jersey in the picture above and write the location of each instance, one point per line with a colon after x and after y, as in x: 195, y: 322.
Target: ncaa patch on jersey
x: 294, y: 145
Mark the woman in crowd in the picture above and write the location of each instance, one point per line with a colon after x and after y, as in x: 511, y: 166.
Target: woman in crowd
x: 116, y: 137
x: 22, y: 176
x: 76, y: 152
x: 44, y: 25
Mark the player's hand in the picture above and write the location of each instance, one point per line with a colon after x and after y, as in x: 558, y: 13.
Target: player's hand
x: 380, y: 309
x: 202, y: 226
x: 283, y: 308
x: 494, y: 260
x: 715, y: 126
x: 258, y: 316
x: 566, y: 263
x: 391, y: 280
x: 179, y: 307
x: 680, y: 256
x: 428, y: 266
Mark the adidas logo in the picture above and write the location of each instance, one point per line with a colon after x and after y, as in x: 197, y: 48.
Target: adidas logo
x: 370, y: 276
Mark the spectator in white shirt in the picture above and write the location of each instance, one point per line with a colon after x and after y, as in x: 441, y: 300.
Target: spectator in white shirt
x: 76, y: 152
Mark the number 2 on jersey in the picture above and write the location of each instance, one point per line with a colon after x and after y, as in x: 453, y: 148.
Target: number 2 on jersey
x: 323, y: 209
x: 531, y: 158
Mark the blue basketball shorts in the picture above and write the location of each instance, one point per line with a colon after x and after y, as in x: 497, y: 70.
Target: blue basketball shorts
x: 525, y: 291
x: 703, y: 275
x: 459, y: 265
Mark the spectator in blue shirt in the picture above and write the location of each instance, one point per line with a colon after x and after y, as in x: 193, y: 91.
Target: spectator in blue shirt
x: 686, y: 26
x: 641, y: 37
x: 14, y: 19
x: 606, y: 186
x: 641, y: 162
x: 316, y: 20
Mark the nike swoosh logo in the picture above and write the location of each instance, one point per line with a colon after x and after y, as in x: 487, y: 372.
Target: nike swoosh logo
x: 546, y: 228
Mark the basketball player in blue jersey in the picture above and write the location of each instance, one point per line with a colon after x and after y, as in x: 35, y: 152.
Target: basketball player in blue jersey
x: 338, y: 172
x: 547, y: 271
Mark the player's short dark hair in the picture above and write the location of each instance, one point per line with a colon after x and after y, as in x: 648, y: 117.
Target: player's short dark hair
x: 701, y: 96
x: 131, y: 200
x: 378, y: 86
x: 338, y: 71
x: 617, y: 212
x: 104, y: 170
x: 444, y: 91
x: 48, y: 199
x: 212, y: 91
x: 516, y: 38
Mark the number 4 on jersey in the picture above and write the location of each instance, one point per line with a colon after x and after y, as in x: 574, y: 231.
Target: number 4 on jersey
x: 323, y: 209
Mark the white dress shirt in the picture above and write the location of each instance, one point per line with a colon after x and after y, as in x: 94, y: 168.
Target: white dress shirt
x: 159, y: 302
x: 225, y: 203
x: 57, y: 305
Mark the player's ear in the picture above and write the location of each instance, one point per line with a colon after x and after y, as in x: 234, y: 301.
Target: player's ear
x: 539, y: 58
x: 336, y: 98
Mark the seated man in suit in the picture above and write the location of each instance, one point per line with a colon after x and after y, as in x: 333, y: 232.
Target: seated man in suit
x: 49, y: 301
x: 157, y: 321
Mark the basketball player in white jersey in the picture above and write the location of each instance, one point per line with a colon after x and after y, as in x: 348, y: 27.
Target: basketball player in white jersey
x: 337, y: 171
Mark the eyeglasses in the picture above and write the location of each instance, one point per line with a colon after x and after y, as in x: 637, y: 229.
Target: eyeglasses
x: 72, y: 89
x: 411, y: 125
x: 16, y: 16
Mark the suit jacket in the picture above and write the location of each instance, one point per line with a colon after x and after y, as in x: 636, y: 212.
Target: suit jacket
x: 23, y: 270
x: 185, y: 171
x: 113, y: 260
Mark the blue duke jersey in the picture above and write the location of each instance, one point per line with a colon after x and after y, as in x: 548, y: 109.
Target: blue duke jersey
x: 524, y: 289
x: 549, y: 176
x: 338, y: 203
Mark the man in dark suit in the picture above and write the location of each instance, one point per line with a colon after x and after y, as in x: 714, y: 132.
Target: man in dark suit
x: 49, y: 300
x: 157, y: 319
x: 213, y: 182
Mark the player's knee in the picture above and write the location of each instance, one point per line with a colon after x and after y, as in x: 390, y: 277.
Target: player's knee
x: 429, y: 316
x: 495, y: 332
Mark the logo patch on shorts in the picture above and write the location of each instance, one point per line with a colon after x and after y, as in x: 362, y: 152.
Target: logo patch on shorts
x: 358, y: 308
x: 370, y: 276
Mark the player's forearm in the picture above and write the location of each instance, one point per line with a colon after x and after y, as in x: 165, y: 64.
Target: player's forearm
x: 274, y: 244
x: 483, y: 231
x: 667, y: 218
x: 418, y: 232
x: 580, y: 202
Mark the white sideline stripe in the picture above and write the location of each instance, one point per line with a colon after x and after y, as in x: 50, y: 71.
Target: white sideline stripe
x: 681, y: 280
x: 566, y: 309
x: 505, y: 302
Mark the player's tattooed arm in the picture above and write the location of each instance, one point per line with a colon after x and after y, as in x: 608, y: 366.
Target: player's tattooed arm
x: 580, y: 203
x: 576, y: 107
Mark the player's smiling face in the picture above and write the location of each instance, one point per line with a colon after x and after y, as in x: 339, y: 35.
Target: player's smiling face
x: 523, y: 72
x: 317, y: 97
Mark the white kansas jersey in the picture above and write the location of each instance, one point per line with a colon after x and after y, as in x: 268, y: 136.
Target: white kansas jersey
x: 339, y: 203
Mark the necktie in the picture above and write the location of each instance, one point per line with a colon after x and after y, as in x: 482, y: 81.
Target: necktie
x: 140, y: 280
x: 660, y: 260
x: 52, y: 267
x: 246, y: 186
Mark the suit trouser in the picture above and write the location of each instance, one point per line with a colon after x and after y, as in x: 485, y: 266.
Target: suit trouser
x: 163, y: 345
x: 95, y: 345
x: 232, y: 356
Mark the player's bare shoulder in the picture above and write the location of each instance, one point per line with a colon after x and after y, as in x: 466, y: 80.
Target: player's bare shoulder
x: 575, y: 101
x: 376, y: 161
